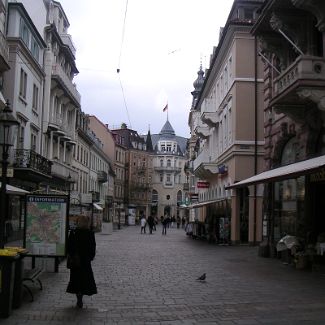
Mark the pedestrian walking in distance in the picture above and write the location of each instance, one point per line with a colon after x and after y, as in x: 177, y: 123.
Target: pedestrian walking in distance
x: 164, y: 225
x: 81, y: 249
x: 151, y: 223
x: 143, y: 222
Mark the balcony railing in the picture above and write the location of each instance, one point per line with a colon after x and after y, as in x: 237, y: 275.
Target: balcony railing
x: 4, y: 49
x: 203, y: 165
x: 203, y: 157
x: 59, y: 72
x: 67, y: 40
x: 170, y: 169
x: 25, y: 158
x: 305, y: 69
x: 63, y: 171
x: 202, y: 131
x: 60, y: 124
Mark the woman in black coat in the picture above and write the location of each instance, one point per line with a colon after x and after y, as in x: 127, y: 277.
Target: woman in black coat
x: 81, y: 249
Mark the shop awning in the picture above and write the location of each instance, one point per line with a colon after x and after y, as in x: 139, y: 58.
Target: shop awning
x: 201, y: 204
x: 285, y: 172
x: 14, y: 190
x: 97, y: 206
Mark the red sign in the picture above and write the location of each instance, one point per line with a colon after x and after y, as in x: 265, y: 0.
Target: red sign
x: 203, y: 184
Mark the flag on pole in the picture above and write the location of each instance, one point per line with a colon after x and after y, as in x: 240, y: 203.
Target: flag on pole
x: 165, y: 108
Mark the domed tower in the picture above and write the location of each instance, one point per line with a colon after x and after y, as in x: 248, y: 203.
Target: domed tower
x: 198, y: 84
x: 168, y: 172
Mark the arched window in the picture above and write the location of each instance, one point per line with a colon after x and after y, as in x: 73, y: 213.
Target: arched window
x: 179, y: 197
x: 161, y: 162
x: 169, y: 163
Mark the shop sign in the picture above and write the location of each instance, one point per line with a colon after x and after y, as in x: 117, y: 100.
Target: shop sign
x: 318, y: 177
x: 223, y: 169
x: 202, y: 184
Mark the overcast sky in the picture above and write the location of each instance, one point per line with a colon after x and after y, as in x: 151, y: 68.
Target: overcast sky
x: 164, y: 41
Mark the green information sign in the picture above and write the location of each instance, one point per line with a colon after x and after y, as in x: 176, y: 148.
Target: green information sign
x: 46, y: 224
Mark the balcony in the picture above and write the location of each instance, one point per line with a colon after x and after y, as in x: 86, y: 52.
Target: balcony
x: 102, y: 176
x: 61, y: 170
x: 4, y: 52
x: 60, y: 75
x: 303, y: 80
x: 209, y: 115
x: 168, y: 169
x: 203, y: 166
x: 202, y: 132
x: 30, y: 162
x: 67, y: 40
x: 62, y: 127
x: 210, y: 118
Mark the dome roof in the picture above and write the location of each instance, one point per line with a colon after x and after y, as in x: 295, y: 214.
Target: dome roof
x: 198, y: 83
x: 167, y: 130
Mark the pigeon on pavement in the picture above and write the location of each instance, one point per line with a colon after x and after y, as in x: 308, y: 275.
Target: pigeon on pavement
x: 202, y: 277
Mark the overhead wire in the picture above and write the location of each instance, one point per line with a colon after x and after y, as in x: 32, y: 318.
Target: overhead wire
x: 119, y: 63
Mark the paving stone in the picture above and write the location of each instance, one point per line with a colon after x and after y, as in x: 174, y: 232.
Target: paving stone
x: 151, y: 280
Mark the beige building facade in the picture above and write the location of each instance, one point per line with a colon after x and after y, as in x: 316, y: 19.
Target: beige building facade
x: 227, y: 119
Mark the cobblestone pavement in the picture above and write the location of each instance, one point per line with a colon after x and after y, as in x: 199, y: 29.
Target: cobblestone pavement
x: 151, y: 279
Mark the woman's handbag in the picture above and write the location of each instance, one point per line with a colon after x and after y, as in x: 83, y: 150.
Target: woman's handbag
x: 73, y: 262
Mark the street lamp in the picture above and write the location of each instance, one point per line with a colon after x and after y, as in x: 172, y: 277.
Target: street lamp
x: 8, y: 128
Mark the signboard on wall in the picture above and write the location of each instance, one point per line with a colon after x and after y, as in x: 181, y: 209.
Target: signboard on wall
x: 202, y: 184
x: 46, y: 224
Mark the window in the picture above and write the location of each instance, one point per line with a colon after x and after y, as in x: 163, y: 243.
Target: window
x: 154, y: 196
x: 33, y: 140
x: 24, y: 32
x: 35, y: 49
x: 168, y: 179
x: 161, y: 162
x: 169, y: 163
x: 21, y: 137
x: 179, y: 197
x: 161, y: 178
x: 35, y: 97
x: 23, y: 84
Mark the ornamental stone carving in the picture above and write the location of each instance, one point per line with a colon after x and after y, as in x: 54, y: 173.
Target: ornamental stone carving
x: 316, y: 7
x: 315, y: 95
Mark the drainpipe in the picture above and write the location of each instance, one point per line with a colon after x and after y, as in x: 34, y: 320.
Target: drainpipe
x: 255, y: 135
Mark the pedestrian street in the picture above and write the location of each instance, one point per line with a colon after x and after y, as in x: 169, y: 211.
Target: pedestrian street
x: 152, y: 279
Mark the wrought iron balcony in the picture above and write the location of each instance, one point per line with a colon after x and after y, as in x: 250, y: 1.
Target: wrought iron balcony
x: 25, y: 158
